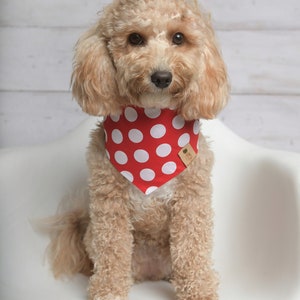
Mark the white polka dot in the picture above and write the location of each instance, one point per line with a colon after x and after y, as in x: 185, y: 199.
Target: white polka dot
x: 163, y: 150
x: 141, y: 156
x: 196, y: 127
x: 150, y: 190
x: 178, y: 122
x: 117, y: 136
x: 152, y: 113
x: 135, y: 135
x: 147, y: 174
x: 130, y: 114
x: 115, y: 118
x: 184, y: 140
x: 121, y: 157
x: 158, y: 131
x: 169, y: 168
x: 128, y: 175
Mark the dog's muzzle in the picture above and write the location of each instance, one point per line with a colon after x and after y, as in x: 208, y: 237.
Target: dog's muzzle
x: 161, y: 79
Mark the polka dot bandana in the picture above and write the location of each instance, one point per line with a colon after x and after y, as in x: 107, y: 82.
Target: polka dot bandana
x: 144, y: 145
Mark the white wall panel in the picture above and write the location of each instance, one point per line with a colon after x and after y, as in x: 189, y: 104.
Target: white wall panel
x: 229, y: 14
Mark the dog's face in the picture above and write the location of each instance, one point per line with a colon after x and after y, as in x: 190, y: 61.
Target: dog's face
x: 150, y: 53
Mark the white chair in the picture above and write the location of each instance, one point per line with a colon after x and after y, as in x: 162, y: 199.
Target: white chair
x: 257, y: 218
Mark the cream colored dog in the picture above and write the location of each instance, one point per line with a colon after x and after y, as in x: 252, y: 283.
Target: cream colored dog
x: 145, y: 61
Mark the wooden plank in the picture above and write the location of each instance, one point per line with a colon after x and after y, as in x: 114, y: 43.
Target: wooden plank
x: 30, y: 118
x: 259, y: 62
x: 35, y: 118
x: 51, y: 13
x: 230, y: 14
x: 41, y: 62
x: 269, y: 121
x: 252, y: 14
x: 262, y: 62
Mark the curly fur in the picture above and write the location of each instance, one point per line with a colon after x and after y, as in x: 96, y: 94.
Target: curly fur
x: 125, y: 235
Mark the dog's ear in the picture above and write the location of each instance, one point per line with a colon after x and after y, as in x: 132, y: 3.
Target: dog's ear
x: 213, y: 82
x: 209, y: 92
x: 93, y: 79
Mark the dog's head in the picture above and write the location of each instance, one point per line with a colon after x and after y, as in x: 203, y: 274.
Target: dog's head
x: 150, y: 53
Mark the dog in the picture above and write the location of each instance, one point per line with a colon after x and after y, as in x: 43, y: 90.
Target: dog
x: 152, y: 69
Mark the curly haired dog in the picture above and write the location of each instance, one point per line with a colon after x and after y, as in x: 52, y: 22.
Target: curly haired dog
x: 152, y: 69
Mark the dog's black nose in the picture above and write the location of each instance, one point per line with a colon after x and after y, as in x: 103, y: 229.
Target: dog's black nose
x: 161, y: 79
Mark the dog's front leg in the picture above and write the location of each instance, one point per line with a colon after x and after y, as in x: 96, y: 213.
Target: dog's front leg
x: 109, y: 243
x: 191, y: 246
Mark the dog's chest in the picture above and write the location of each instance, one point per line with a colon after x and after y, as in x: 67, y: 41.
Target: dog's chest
x: 150, y: 214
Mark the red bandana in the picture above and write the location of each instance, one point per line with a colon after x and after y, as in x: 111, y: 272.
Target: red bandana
x: 149, y: 147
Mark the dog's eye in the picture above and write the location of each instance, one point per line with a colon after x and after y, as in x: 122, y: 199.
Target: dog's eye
x: 178, y: 38
x: 136, y: 39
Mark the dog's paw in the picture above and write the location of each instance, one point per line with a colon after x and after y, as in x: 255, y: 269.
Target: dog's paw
x: 110, y: 297
x: 200, y: 298
x: 197, y: 294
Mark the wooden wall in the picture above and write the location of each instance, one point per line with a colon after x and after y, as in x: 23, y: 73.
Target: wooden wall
x: 260, y: 41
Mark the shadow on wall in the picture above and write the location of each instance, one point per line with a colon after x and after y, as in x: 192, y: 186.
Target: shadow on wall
x: 265, y: 239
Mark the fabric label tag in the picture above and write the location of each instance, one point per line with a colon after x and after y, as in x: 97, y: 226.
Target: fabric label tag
x: 187, y: 154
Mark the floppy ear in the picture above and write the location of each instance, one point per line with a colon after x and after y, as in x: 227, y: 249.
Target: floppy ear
x: 209, y: 92
x: 214, y: 88
x: 93, y: 78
